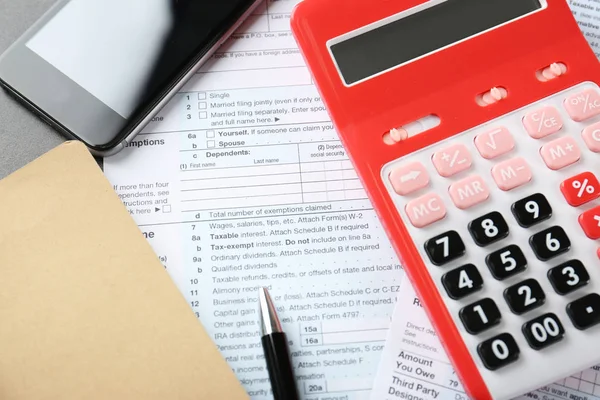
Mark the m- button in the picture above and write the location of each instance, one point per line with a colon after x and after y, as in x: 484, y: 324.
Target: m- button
x: 425, y: 210
x: 512, y: 173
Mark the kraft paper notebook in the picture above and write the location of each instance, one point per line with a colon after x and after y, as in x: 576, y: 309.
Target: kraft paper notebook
x: 87, y: 311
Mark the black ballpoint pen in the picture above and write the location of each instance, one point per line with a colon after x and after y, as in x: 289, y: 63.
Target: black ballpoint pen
x: 275, y: 346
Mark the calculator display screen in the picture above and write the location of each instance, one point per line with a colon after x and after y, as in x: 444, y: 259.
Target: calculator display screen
x: 395, y: 43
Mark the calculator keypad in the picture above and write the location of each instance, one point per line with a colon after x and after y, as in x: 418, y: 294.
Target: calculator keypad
x: 506, y: 262
x: 550, y: 243
x: 480, y: 316
x: 488, y: 229
x: 462, y: 281
x: 508, y: 215
x: 568, y: 277
x: 444, y: 248
x: 524, y: 296
x: 532, y: 210
x: 543, y: 331
x: 498, y: 351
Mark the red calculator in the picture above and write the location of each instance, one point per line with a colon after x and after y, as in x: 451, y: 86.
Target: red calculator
x: 474, y: 126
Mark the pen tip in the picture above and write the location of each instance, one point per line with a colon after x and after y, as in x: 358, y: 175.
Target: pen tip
x: 268, y: 315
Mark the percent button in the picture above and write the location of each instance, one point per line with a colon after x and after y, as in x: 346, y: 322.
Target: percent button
x: 581, y: 189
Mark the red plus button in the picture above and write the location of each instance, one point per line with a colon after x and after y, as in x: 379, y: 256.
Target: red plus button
x: 590, y: 222
x: 581, y: 189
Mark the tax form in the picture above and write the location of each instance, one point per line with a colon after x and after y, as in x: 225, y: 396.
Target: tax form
x: 414, y: 365
x: 241, y: 182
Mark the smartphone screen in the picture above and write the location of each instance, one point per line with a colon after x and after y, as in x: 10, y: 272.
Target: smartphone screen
x: 110, y: 61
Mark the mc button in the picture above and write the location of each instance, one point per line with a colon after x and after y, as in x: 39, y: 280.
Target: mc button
x: 425, y: 210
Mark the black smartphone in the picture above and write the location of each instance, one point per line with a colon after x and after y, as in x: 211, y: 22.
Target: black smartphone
x: 100, y: 70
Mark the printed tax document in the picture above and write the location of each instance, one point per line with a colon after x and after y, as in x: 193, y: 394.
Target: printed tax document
x: 414, y: 365
x: 241, y: 182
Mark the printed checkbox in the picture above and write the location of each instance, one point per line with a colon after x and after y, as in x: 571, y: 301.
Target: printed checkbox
x: 210, y: 134
x: 210, y: 144
x: 167, y: 209
x: 203, y: 115
x: 202, y: 96
x: 202, y: 105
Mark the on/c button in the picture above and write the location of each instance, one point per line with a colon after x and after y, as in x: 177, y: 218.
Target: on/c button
x: 591, y: 137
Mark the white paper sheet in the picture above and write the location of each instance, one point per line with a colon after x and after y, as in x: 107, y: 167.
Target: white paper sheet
x: 242, y: 182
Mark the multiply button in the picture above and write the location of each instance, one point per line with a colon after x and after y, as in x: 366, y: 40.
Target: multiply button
x: 590, y: 223
x: 425, y: 210
x: 591, y: 137
x: 580, y: 189
x: 543, y: 122
x: 584, y: 105
x: 452, y: 160
x: 512, y: 173
x: 561, y: 153
x: 494, y: 143
x: 409, y: 178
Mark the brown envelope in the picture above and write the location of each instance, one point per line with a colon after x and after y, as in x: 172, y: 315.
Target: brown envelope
x: 87, y: 311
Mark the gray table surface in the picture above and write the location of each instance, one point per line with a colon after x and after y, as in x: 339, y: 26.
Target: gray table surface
x: 23, y: 137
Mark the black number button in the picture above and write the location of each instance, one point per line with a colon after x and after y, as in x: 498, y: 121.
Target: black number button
x: 479, y: 316
x: 585, y: 312
x: 543, y: 331
x: 506, y: 262
x: 498, y: 351
x: 532, y: 210
x: 444, y: 248
x: 462, y: 281
x: 524, y: 296
x: 550, y: 243
x: 568, y: 277
x: 488, y: 229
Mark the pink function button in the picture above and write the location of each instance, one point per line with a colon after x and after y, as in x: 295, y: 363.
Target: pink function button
x: 494, y: 143
x: 543, y: 122
x: 409, y: 178
x: 512, y: 173
x: 560, y: 153
x: 452, y: 160
x: 425, y: 210
x: 469, y: 192
x: 591, y: 137
x: 584, y: 105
